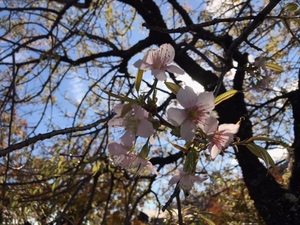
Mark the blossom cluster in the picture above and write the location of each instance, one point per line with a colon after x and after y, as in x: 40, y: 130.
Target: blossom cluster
x: 194, y: 115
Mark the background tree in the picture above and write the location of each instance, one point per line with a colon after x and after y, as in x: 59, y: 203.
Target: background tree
x: 56, y: 59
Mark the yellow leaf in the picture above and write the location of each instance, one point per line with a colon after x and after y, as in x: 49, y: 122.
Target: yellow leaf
x: 274, y: 67
x: 257, y: 138
x: 172, y: 87
x: 225, y: 96
x: 178, y: 147
x: 138, y: 79
x: 291, y: 6
x: 126, y: 108
x: 261, y: 153
x: 206, y: 220
x: 123, y: 98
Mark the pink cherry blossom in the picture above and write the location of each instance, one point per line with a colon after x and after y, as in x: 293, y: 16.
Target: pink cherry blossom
x: 263, y: 83
x: 127, y: 159
x: 135, y: 123
x: 157, y: 60
x: 197, y: 109
x: 220, y: 137
x: 186, y: 180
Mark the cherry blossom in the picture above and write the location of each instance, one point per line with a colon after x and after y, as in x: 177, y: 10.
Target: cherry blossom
x: 157, y: 61
x: 124, y: 158
x: 263, y: 83
x: 220, y: 137
x: 186, y: 180
x: 135, y: 123
x: 197, y: 109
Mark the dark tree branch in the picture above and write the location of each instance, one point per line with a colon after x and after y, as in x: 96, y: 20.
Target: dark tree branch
x: 41, y: 137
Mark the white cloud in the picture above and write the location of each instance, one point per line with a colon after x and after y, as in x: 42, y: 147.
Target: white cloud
x: 78, y: 88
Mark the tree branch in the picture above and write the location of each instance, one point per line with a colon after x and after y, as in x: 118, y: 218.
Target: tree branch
x: 41, y: 137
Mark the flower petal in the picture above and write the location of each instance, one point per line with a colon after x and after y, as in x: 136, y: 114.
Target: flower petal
x: 128, y: 139
x: 138, y: 111
x: 150, y: 167
x: 187, y: 130
x: 159, y: 74
x: 206, y: 100
x: 210, y: 126
x: 214, y: 151
x: 176, y: 116
x: 116, y: 122
x: 116, y: 148
x: 118, y: 109
x: 228, y: 128
x: 141, y: 64
x: 175, y: 178
x: 166, y: 53
x: 145, y: 128
x: 174, y: 69
x: 187, y: 97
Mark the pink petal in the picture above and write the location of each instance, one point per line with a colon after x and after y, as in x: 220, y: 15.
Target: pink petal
x: 210, y: 126
x: 145, y: 128
x: 166, y: 53
x: 159, y: 74
x: 214, y: 151
x: 149, y: 57
x: 128, y: 139
x: 115, y: 148
x: 175, y: 178
x: 199, y: 179
x: 150, y: 167
x: 174, y: 69
x: 187, y: 130
x: 206, y: 100
x: 141, y: 64
x: 118, y: 109
x: 229, y: 128
x: 187, y: 97
x: 116, y: 122
x: 176, y: 116
x: 138, y: 111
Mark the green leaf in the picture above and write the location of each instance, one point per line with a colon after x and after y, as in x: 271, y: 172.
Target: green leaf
x: 126, y: 108
x: 172, y: 87
x: 258, y: 138
x: 291, y: 7
x: 225, y: 96
x: 261, y: 153
x: 206, y: 220
x: 55, y: 184
x: 123, y: 98
x: 138, y: 79
x: 145, y: 150
x: 179, y: 147
x: 274, y: 67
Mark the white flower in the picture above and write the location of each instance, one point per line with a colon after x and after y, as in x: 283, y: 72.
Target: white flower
x: 197, y: 109
x: 186, y: 180
x: 157, y: 61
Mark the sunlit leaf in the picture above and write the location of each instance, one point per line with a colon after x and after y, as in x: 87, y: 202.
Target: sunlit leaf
x: 274, y: 67
x: 279, y: 142
x: 261, y: 153
x: 206, y: 220
x: 126, y: 109
x: 123, y: 98
x: 138, y: 79
x: 173, y: 87
x: 178, y: 147
x: 291, y: 6
x: 225, y: 96
x: 259, y: 138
